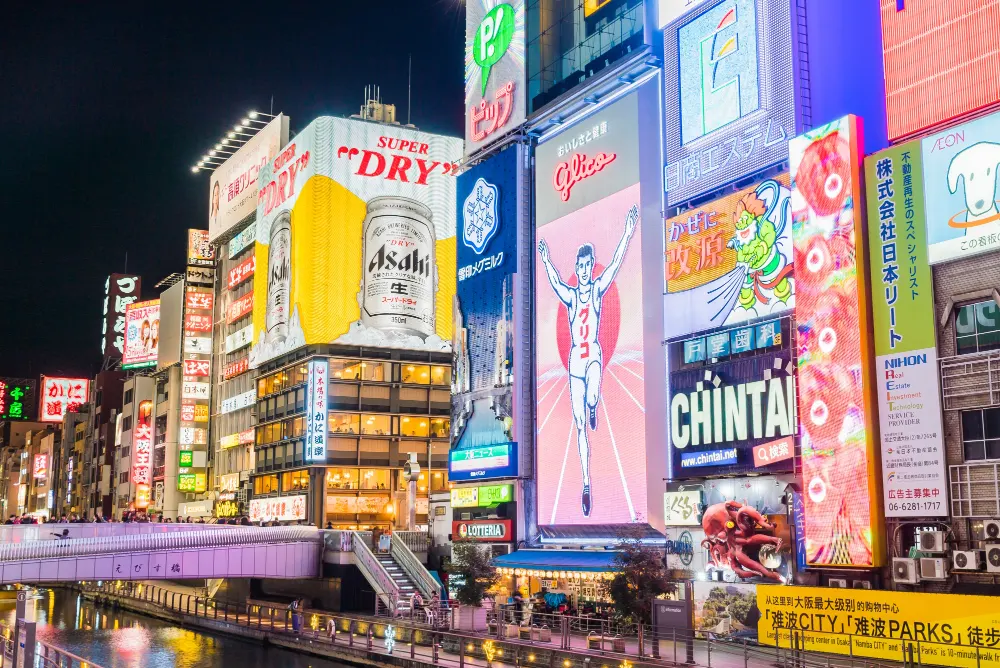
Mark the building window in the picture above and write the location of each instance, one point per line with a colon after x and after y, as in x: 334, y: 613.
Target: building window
x: 265, y: 484
x: 376, y: 425
x: 374, y: 479
x: 345, y: 369
x: 977, y: 328
x: 341, y: 478
x: 345, y: 423
x: 439, y: 481
x: 127, y: 423
x: 416, y: 374
x: 440, y: 375
x: 981, y: 434
x: 414, y: 426
x: 128, y: 396
x: 380, y: 372
x: 421, y: 482
x: 295, y: 481
x: 440, y: 427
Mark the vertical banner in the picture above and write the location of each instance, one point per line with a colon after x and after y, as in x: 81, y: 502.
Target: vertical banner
x: 316, y: 427
x: 842, y: 517
x: 914, y: 482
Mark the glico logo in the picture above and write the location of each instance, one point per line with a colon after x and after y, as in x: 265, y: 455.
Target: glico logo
x: 576, y: 169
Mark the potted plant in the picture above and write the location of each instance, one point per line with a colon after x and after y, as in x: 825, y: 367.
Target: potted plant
x: 470, y: 575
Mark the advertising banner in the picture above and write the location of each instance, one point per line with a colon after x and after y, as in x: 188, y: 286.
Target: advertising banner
x: 317, y: 385
x: 61, y: 396
x: 18, y: 399
x: 200, y: 251
x: 730, y: 260
x: 242, y: 272
x: 940, y: 61
x: 204, y: 301
x: 284, y: 508
x: 233, y: 190
x: 960, y: 189
x: 244, y: 400
x: 483, y: 531
x: 914, y: 480
x: 495, y: 88
x: 727, y: 417
x: 239, y: 308
x: 940, y: 629
x: 668, y: 11
x: 341, y: 504
x: 356, y: 236
x: 682, y: 508
x: 835, y: 369
x: 120, y: 290
x: 483, y: 463
x: 142, y: 334
x: 729, y: 104
x: 200, y: 276
x: 725, y: 609
x: 142, y: 448
x: 242, y: 240
x: 483, y: 341
x: 239, y: 339
x: 235, y: 368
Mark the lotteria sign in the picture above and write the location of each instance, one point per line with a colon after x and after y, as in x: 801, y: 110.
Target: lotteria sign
x: 486, y: 531
x: 722, y: 416
x: 491, y: 461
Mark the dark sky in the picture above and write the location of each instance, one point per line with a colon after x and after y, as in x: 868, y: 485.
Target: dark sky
x: 105, y: 110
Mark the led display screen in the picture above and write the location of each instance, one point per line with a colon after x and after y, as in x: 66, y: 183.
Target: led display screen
x: 730, y: 107
x: 730, y: 260
x: 941, y: 60
x: 837, y: 431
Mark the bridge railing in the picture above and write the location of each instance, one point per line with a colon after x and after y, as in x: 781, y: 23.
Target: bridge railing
x: 26, y: 533
x: 167, y: 541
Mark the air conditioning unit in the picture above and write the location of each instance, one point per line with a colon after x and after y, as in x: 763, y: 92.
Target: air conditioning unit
x: 862, y: 584
x: 837, y: 582
x: 905, y: 571
x: 991, y: 529
x: 967, y: 560
x: 931, y: 541
x: 933, y: 568
x: 993, y: 558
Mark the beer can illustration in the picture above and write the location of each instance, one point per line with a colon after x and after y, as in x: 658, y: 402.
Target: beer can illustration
x: 279, y: 278
x: 399, y: 272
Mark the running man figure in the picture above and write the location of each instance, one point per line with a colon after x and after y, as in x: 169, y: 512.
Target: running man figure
x: 586, y: 365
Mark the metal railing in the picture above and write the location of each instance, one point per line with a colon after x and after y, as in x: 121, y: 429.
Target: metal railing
x: 970, y: 381
x: 74, y: 547
x: 415, y: 541
x: 386, y: 589
x: 24, y: 533
x: 47, y: 655
x: 401, y: 553
x: 516, y: 646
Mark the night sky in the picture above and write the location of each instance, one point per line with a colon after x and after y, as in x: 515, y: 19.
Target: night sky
x: 105, y: 111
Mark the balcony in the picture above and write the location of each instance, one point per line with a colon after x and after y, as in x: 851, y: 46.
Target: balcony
x: 970, y: 381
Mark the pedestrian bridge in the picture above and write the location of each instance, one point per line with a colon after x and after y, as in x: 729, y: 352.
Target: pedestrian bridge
x: 79, y: 552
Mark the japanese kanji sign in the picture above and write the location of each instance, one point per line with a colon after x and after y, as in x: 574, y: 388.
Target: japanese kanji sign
x: 120, y: 290
x: 316, y: 410
x: 61, y: 396
x: 17, y: 399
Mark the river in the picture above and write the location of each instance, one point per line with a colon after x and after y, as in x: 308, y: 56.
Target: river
x: 122, y: 639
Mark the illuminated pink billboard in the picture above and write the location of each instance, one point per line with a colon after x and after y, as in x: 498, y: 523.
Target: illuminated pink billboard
x: 591, y: 447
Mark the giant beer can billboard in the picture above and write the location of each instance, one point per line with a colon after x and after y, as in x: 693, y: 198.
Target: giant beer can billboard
x: 356, y: 238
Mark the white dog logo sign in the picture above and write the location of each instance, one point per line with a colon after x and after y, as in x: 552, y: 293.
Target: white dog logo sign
x: 976, y: 167
x: 481, y: 219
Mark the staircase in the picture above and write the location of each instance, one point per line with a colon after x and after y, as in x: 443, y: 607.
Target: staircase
x: 407, y: 587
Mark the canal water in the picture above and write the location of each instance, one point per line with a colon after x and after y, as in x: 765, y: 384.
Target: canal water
x: 121, y: 639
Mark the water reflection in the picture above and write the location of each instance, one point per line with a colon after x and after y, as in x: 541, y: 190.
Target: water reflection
x: 120, y: 639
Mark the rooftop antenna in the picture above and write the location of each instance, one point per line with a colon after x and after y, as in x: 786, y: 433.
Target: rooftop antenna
x: 126, y: 262
x: 272, y: 107
x: 409, y: 86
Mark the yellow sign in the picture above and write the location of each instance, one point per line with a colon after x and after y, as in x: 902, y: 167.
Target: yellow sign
x: 464, y: 497
x: 930, y: 629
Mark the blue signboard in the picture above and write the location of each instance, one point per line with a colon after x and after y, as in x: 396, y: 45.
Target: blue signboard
x: 483, y: 463
x: 768, y: 334
x: 741, y: 340
x: 482, y: 401
x: 730, y: 107
x: 694, y: 351
x: 705, y: 458
x: 718, y: 345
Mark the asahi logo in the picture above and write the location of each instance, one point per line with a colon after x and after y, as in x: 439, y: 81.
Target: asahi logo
x: 412, y: 262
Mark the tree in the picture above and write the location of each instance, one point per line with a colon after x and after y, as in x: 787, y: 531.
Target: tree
x: 639, y: 577
x: 473, y: 567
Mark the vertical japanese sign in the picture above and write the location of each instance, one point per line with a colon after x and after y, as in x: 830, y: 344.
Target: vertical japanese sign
x: 142, y: 453
x: 196, y: 393
x: 914, y: 481
x: 120, y: 290
x: 200, y: 251
x: 61, y: 396
x: 17, y: 399
x: 316, y: 400
x: 837, y: 430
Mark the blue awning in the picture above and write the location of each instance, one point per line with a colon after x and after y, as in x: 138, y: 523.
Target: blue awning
x: 558, y: 560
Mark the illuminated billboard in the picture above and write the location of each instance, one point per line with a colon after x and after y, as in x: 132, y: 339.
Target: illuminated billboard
x: 589, y: 383
x: 836, y: 404
x: 733, y: 412
x: 233, y: 186
x: 730, y: 260
x: 142, y: 452
x: 495, y: 87
x: 142, y: 334
x: 316, y: 412
x: 61, y: 396
x: 17, y: 399
x: 941, y: 61
x: 906, y: 361
x: 482, y: 386
x: 200, y: 251
x: 730, y: 107
x: 120, y: 290
x: 483, y: 463
x: 961, y: 196
x: 356, y: 239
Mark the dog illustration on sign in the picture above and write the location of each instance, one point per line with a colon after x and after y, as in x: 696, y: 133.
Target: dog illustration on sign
x: 976, y: 167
